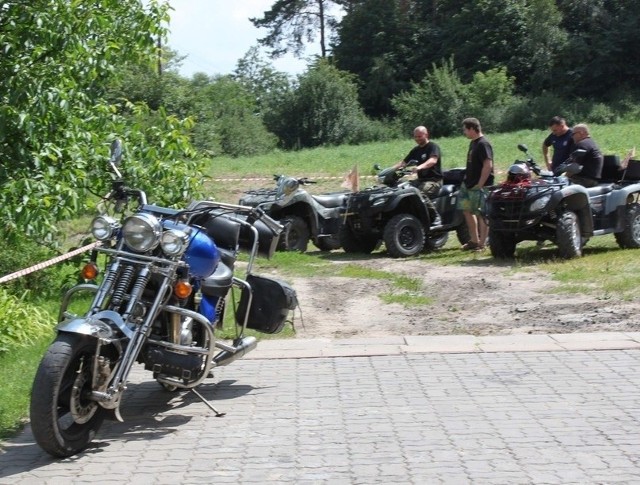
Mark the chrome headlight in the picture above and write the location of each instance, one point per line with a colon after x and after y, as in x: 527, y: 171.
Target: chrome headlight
x: 104, y: 227
x: 539, y: 204
x: 174, y: 242
x: 142, y: 232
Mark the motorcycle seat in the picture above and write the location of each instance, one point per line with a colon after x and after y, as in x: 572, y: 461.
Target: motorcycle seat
x: 599, y: 190
x: 218, y: 283
x: 330, y: 200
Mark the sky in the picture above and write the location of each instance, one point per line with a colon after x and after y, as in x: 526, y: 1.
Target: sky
x: 216, y: 33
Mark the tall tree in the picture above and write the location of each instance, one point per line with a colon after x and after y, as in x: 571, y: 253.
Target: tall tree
x: 293, y: 23
x: 602, y: 55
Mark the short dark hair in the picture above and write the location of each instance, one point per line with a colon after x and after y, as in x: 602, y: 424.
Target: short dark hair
x: 557, y: 120
x: 472, y: 124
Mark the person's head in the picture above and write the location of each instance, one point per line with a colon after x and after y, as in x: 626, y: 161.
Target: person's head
x: 421, y: 135
x: 580, y: 132
x: 558, y: 125
x: 471, y: 128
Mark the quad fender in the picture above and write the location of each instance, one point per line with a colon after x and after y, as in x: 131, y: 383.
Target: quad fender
x: 576, y: 199
x: 307, y: 208
x: 621, y: 197
x: 409, y: 200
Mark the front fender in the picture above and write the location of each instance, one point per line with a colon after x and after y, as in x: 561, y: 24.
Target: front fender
x: 576, y: 199
x: 103, y: 325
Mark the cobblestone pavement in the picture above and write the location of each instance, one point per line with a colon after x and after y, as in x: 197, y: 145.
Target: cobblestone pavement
x: 554, y: 417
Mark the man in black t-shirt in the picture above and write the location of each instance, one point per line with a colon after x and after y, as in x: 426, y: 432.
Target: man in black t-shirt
x: 478, y: 175
x: 560, y: 139
x: 428, y: 169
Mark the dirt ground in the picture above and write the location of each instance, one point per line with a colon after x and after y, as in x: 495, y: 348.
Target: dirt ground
x: 468, y: 299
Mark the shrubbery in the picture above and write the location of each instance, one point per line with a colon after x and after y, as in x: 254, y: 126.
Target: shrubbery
x: 20, y: 323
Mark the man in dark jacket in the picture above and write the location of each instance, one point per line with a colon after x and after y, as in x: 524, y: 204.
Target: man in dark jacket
x: 591, y: 161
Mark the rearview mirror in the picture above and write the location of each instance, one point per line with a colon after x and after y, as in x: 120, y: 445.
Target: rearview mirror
x: 116, y: 152
x: 522, y: 147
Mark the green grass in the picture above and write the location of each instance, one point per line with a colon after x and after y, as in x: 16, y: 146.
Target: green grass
x: 17, y: 370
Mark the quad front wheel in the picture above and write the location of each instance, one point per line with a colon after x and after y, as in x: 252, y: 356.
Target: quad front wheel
x: 568, y: 237
x: 404, y: 236
x: 63, y: 418
x: 295, y: 236
x: 630, y: 236
x: 501, y: 244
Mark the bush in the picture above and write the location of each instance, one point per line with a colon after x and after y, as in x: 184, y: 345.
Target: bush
x: 20, y: 253
x: 20, y: 324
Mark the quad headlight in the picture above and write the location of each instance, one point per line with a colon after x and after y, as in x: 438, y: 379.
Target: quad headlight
x: 174, y: 242
x: 141, y: 232
x: 539, y: 204
x: 104, y: 228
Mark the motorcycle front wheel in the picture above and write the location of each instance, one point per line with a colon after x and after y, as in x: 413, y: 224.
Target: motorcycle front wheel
x: 63, y: 420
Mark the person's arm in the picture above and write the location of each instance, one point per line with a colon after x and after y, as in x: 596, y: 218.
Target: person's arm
x: 487, y: 166
x: 430, y: 162
x: 545, y: 154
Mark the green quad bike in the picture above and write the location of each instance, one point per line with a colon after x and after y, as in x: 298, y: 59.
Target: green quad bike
x: 395, y: 213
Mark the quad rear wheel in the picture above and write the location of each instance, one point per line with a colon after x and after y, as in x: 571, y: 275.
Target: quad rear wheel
x: 630, y: 236
x: 351, y: 243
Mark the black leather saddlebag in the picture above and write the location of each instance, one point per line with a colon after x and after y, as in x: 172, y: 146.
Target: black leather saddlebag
x: 272, y: 301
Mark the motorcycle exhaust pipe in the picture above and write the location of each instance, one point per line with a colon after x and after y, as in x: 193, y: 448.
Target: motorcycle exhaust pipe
x: 242, y: 347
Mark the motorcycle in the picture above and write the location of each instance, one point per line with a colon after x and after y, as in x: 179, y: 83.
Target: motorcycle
x: 304, y: 216
x: 168, y: 279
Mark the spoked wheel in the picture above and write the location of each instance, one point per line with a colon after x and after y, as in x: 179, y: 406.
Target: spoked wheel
x: 404, y: 236
x: 568, y: 236
x: 63, y: 419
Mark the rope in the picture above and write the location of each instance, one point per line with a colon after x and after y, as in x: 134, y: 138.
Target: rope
x: 45, y: 264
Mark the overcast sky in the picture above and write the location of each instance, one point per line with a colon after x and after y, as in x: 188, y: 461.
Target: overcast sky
x: 216, y: 33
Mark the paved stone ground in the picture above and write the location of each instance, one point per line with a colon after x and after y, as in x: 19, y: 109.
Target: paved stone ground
x: 555, y: 417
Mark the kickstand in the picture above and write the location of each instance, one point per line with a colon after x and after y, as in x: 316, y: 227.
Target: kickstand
x: 218, y: 413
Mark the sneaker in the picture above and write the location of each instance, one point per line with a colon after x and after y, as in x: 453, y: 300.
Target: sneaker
x: 472, y: 246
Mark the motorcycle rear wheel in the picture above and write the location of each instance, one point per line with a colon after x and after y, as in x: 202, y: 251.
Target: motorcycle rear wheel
x: 63, y: 420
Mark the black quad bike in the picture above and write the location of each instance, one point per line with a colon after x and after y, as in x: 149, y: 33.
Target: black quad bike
x: 304, y: 216
x: 395, y: 213
x: 550, y: 208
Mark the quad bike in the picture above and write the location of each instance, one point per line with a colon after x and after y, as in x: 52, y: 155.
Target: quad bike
x: 550, y: 208
x: 304, y: 216
x: 395, y: 213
